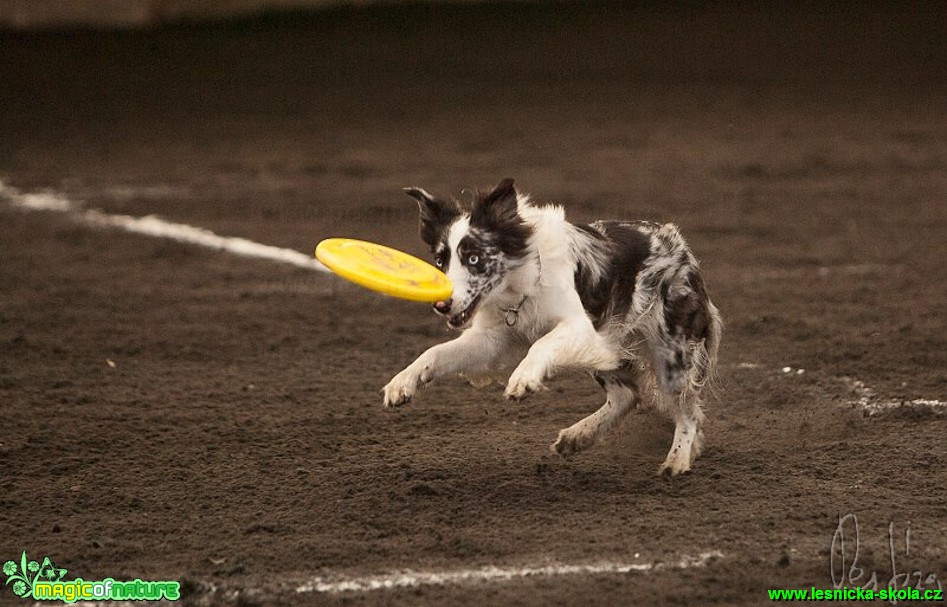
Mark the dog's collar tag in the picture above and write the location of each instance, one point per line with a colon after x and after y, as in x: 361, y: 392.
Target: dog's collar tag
x: 513, y: 314
x: 511, y: 317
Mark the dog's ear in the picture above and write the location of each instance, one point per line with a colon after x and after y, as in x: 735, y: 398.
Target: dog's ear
x: 435, y: 214
x: 499, y: 207
x: 498, y: 211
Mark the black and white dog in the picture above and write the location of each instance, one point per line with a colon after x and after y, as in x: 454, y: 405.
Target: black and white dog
x: 623, y: 300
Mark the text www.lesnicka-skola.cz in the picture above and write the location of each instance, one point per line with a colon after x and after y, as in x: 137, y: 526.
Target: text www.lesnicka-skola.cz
x: 855, y: 594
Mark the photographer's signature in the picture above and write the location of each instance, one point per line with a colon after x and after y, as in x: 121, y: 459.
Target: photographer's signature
x: 846, y: 570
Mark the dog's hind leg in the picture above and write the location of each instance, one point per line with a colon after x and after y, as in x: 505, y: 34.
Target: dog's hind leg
x: 688, y: 442
x: 621, y: 395
x: 684, y: 347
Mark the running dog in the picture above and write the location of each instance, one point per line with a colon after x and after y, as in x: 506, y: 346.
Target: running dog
x: 622, y: 300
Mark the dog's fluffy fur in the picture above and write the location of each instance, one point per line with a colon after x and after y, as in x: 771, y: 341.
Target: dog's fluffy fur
x: 622, y: 300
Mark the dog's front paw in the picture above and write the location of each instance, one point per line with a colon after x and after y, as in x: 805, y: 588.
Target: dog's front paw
x: 402, y: 387
x: 522, y: 385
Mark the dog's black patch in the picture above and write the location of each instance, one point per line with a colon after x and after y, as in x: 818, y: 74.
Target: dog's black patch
x: 607, y: 292
x: 688, y: 315
x: 476, y: 254
x: 436, y: 216
x: 496, y: 216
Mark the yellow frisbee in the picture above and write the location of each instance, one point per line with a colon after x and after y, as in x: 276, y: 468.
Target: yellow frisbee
x: 384, y: 269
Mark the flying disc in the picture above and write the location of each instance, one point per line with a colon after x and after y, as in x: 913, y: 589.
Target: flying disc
x: 384, y: 269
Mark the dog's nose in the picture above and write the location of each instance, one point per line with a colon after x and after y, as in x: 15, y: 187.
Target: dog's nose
x: 442, y: 307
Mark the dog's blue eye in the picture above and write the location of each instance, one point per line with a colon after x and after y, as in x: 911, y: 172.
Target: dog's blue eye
x: 473, y: 260
x: 439, y: 261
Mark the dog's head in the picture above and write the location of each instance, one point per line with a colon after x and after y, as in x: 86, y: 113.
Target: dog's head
x: 476, y: 249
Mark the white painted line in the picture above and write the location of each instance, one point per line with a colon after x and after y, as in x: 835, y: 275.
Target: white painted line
x: 917, y: 405
x: 463, y: 577
x: 156, y: 227
x: 871, y: 405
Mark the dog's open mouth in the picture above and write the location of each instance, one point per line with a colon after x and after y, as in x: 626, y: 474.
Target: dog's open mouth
x: 460, y: 321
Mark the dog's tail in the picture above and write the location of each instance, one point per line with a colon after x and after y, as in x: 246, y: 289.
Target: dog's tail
x: 705, y: 356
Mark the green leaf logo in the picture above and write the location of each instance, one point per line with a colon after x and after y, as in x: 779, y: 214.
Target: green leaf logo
x: 26, y: 573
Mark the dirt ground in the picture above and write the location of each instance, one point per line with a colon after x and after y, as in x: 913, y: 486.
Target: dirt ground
x: 239, y: 443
